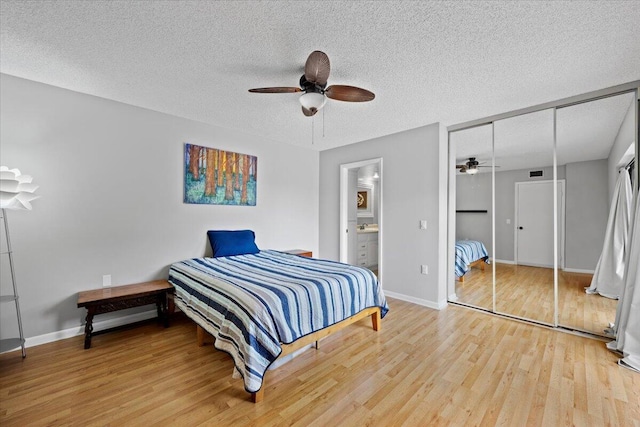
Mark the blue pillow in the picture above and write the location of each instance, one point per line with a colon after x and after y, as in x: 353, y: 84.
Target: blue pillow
x: 229, y: 243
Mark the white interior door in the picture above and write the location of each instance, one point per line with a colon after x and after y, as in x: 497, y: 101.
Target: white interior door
x: 534, y: 228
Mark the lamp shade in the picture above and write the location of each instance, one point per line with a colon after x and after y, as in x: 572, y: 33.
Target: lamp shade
x: 312, y: 101
x: 16, y: 190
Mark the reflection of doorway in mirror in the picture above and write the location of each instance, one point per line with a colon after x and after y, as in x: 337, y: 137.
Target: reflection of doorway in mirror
x: 534, y: 223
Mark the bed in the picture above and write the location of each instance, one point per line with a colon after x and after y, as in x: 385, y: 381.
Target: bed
x: 262, y: 305
x: 470, y: 253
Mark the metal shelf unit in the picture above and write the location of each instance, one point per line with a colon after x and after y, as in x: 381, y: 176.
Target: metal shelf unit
x: 11, y: 343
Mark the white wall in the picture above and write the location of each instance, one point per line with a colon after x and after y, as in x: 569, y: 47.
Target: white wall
x: 587, y: 213
x: 111, y: 187
x: 413, y: 188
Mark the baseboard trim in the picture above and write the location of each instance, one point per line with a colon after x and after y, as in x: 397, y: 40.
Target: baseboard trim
x: 437, y: 306
x: 79, y: 330
x: 504, y: 261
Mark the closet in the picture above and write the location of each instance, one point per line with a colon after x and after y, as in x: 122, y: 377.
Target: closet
x: 535, y: 187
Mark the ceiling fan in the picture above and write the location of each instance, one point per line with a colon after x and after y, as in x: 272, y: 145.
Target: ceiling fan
x: 314, y: 85
x: 472, y: 166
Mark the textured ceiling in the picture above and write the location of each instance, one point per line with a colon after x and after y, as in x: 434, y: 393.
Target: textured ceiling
x: 426, y: 61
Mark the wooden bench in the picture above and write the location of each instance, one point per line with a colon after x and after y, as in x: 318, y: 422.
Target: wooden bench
x: 106, y: 300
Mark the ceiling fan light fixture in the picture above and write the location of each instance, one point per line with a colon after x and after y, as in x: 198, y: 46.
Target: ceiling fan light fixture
x: 472, y: 170
x: 313, y: 101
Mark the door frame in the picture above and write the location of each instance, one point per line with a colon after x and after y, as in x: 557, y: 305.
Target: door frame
x: 560, y: 219
x: 344, y: 181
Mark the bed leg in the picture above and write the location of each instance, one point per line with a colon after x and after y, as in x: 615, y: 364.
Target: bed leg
x: 258, y: 395
x: 482, y: 266
x: 461, y: 278
x: 317, y: 345
x: 200, y: 333
x: 376, y: 321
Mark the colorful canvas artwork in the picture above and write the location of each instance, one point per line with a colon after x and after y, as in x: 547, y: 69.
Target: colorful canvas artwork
x: 219, y: 177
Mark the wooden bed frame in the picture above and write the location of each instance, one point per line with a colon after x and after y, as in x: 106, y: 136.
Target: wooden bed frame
x: 477, y: 263
x: 287, y: 349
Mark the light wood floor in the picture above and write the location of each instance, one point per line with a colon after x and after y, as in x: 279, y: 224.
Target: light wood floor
x: 528, y: 292
x: 426, y: 367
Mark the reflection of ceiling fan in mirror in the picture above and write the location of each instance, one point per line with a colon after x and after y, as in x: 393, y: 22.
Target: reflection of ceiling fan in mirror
x: 472, y: 166
x: 314, y: 85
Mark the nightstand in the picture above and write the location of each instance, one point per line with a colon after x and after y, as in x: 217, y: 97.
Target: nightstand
x: 301, y: 252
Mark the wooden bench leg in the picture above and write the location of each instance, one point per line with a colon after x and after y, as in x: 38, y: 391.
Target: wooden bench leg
x: 88, y: 327
x: 163, y: 311
x: 172, y: 305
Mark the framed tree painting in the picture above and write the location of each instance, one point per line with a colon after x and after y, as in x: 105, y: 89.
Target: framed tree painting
x: 219, y: 177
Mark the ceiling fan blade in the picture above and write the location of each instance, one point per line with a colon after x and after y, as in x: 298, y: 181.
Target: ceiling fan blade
x: 349, y: 93
x: 309, y: 112
x: 317, y: 68
x: 460, y: 166
x: 275, y: 90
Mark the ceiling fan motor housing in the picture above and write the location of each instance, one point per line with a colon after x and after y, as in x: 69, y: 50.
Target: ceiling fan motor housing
x: 308, y: 86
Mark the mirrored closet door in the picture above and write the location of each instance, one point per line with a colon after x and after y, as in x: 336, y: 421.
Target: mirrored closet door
x: 474, y: 218
x: 524, y: 199
x: 535, y: 190
x: 594, y: 146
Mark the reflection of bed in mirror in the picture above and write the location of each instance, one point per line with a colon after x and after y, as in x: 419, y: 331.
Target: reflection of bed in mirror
x: 470, y: 253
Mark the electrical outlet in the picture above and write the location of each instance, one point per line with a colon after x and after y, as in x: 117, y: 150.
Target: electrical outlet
x: 106, y: 280
x: 508, y: 221
x: 424, y: 269
x: 423, y: 224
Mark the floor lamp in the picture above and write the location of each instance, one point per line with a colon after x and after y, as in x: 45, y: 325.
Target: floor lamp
x: 16, y: 192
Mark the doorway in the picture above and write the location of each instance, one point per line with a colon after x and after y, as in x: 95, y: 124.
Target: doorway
x: 361, y: 214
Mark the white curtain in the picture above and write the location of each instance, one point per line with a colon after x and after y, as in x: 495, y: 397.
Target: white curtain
x: 627, y: 325
x: 608, y: 279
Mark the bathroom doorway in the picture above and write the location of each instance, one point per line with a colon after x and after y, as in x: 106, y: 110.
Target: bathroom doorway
x: 361, y: 214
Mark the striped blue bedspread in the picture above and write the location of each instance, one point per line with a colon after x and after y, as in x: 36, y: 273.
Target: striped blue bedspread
x: 252, y: 303
x: 468, y: 251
